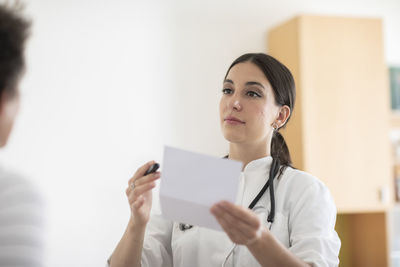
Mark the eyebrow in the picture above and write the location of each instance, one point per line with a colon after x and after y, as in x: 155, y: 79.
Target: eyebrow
x: 248, y: 83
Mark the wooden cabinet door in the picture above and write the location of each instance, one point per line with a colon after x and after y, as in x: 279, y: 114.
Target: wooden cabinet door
x: 340, y: 133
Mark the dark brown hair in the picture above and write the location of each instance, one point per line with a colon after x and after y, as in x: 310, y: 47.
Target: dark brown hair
x: 14, y: 30
x: 283, y: 86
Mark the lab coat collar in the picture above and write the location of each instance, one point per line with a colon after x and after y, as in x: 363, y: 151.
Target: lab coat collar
x: 258, y: 164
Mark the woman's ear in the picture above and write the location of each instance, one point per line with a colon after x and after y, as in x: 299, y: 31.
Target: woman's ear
x: 283, y: 115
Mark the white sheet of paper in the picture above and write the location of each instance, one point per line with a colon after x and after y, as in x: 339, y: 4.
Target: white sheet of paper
x: 191, y: 183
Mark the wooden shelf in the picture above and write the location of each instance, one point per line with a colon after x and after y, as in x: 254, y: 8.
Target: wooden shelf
x: 330, y: 136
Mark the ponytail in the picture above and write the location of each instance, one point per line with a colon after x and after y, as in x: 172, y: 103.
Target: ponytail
x: 280, y: 150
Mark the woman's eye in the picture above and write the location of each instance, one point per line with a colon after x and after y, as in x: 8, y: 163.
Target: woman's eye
x: 226, y: 91
x: 253, y: 94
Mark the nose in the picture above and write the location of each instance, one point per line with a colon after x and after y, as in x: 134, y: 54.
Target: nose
x: 235, y: 104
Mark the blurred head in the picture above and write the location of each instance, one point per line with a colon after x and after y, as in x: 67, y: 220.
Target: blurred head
x: 14, y: 30
x: 258, y: 96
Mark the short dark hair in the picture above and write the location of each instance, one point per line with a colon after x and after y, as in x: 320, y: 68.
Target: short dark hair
x: 283, y: 86
x: 14, y: 30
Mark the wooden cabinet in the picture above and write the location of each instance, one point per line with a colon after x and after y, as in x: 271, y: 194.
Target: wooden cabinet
x: 339, y: 131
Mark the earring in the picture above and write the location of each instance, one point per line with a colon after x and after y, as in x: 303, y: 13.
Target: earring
x: 275, y: 126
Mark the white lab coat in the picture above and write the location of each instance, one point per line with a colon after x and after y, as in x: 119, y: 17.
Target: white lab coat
x: 305, y: 216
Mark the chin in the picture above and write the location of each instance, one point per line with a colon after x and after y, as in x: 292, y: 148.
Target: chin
x: 233, y: 137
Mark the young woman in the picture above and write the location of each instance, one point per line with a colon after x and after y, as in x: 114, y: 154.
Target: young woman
x: 282, y: 217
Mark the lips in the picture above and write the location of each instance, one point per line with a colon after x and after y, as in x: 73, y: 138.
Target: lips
x: 233, y: 120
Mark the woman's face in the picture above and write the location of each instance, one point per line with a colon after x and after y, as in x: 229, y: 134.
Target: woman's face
x: 247, y: 107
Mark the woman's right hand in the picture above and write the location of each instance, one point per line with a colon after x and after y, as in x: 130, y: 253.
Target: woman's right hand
x: 140, y: 194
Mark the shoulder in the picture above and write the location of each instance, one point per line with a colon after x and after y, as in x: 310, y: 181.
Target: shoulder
x: 16, y: 190
x: 9, y: 179
x: 300, y: 187
x: 294, y: 179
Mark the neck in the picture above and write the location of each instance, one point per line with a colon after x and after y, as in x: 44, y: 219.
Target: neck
x: 248, y: 152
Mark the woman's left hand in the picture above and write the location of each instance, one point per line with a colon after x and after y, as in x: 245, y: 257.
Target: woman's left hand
x: 241, y: 225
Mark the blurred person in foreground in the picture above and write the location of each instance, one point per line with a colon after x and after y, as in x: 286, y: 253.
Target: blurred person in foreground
x: 21, y: 206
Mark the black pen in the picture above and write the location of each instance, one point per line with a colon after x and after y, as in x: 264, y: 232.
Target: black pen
x: 153, y: 168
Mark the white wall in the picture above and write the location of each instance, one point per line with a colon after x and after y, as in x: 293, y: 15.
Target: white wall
x: 110, y: 82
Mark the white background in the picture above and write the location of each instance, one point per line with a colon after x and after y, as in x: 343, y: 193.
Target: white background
x: 110, y: 82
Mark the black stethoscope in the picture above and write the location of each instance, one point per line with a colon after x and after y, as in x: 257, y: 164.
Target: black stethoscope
x: 273, y: 171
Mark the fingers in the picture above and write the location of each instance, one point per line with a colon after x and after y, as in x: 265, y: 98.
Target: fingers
x: 238, y: 224
x: 142, y: 186
x: 240, y: 213
x: 141, y: 171
x: 241, y: 230
x: 139, y: 190
x: 146, y: 179
x: 234, y: 234
x: 151, y: 178
x: 139, y: 179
